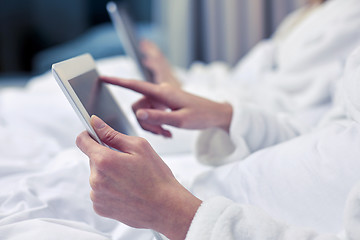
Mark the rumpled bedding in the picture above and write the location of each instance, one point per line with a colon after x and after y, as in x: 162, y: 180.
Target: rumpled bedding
x: 44, y: 177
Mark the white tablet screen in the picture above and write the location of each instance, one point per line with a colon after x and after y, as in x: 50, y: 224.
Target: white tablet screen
x: 97, y: 100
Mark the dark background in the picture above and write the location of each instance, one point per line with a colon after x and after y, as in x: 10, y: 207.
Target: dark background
x: 28, y: 27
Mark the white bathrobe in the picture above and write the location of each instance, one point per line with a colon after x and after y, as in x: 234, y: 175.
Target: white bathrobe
x: 306, y: 188
x: 45, y: 187
x: 284, y: 86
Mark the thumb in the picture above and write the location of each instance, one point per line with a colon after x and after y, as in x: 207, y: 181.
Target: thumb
x: 109, y: 136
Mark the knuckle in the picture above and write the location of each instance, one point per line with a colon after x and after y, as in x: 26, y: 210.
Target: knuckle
x: 110, y: 135
x: 142, y: 143
x: 94, y: 184
x: 183, y: 120
x: 98, y: 182
x: 131, y: 84
x: 79, y: 140
x: 165, y: 87
x: 182, y: 123
x: 101, y: 162
x: 179, y: 122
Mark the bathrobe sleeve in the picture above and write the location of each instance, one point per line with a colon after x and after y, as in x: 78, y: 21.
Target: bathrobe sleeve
x: 305, y: 183
x: 289, y: 98
x: 220, y: 218
x: 252, y: 129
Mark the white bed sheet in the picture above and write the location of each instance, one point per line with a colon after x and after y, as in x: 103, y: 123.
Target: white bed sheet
x: 44, y: 177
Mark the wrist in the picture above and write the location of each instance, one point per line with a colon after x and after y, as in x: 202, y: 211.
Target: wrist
x: 177, y: 213
x: 224, y: 113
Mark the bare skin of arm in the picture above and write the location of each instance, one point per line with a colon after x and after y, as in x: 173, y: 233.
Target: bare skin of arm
x: 133, y: 185
x: 164, y: 104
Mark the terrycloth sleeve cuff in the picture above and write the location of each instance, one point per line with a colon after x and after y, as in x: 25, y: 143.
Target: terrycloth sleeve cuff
x: 206, y: 218
x: 220, y: 218
x: 216, y: 147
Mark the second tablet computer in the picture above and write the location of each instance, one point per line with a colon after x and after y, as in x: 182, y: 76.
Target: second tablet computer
x: 125, y: 31
x: 79, y: 80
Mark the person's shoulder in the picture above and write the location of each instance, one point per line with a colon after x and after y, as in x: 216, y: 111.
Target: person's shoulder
x: 291, y: 20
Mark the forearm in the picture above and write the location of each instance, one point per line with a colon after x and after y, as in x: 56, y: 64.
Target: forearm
x: 251, y: 129
x: 260, y: 128
x: 222, y: 116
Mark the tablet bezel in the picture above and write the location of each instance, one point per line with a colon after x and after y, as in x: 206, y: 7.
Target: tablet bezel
x: 70, y: 69
x: 67, y: 70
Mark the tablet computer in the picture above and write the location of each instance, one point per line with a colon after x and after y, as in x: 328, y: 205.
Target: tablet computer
x: 124, y: 29
x: 88, y: 95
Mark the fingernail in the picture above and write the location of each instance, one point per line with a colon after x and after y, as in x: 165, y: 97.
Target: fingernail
x: 96, y: 122
x: 142, y: 115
